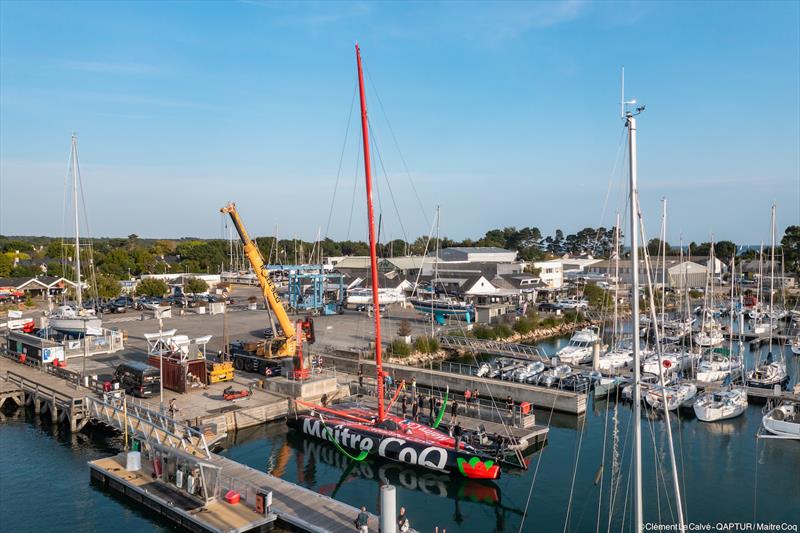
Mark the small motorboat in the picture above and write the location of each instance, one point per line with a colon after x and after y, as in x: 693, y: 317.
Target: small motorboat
x: 511, y: 372
x: 579, y: 349
x: 553, y: 377
x: 527, y: 372
x: 605, y: 386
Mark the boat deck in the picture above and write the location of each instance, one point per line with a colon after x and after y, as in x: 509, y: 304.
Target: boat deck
x: 531, y: 437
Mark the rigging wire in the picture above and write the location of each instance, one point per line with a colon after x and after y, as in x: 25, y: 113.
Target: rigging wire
x: 397, y: 145
x: 388, y: 183
x: 341, y: 160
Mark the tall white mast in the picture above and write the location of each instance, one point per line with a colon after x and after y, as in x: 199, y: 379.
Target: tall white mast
x: 771, y: 279
x: 630, y: 123
x: 616, y: 280
x: 663, y: 264
x: 79, y: 288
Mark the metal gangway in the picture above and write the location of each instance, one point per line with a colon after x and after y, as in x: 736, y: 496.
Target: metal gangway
x: 518, y: 351
x: 131, y: 416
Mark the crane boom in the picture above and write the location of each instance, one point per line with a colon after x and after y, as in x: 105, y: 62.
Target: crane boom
x: 268, y: 288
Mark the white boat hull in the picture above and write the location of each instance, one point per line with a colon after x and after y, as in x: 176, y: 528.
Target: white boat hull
x: 715, y: 406
x: 89, y: 325
x: 677, y: 395
x: 783, y: 421
x: 708, y: 339
x: 614, y: 360
x: 574, y: 356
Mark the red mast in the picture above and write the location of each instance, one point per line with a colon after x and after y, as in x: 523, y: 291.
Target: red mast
x: 373, y: 256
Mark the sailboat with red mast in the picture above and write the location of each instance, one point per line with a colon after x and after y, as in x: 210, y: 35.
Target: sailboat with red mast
x: 361, y: 431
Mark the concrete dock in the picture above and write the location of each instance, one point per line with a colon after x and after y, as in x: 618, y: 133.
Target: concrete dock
x: 540, y: 397
x: 207, y: 517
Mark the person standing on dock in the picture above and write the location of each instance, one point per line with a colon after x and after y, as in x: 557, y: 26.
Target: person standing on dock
x: 362, y: 521
x: 431, y: 405
x: 173, y: 407
x: 404, y: 404
x: 360, y: 380
x: 457, y: 432
x: 415, y: 407
x: 467, y: 399
x: 403, y: 524
x: 477, y: 401
x: 510, y: 405
x: 453, y: 411
x: 414, y: 387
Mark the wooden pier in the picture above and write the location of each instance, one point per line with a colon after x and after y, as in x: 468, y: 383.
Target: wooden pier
x: 47, y: 394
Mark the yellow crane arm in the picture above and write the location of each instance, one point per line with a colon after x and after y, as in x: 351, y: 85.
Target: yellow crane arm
x: 267, y: 286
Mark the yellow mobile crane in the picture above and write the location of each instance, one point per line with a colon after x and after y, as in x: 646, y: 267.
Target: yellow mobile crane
x: 285, y: 345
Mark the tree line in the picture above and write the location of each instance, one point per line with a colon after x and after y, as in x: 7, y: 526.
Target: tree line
x: 113, y: 259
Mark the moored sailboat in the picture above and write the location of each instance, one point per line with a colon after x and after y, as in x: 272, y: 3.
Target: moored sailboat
x: 67, y: 319
x: 769, y: 373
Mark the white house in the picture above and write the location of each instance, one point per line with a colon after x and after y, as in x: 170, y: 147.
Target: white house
x: 551, y: 273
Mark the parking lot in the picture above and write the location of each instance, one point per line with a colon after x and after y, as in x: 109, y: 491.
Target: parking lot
x: 352, y: 329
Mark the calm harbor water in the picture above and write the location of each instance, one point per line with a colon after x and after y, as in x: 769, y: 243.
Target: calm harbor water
x: 728, y: 475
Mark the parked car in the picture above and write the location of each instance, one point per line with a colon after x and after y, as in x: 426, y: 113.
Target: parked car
x: 127, y: 301
x: 139, y: 379
x: 114, y: 306
x: 549, y: 307
x: 177, y: 300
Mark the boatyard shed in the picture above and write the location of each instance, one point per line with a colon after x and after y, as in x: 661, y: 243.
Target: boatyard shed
x: 478, y: 254
x: 41, y: 286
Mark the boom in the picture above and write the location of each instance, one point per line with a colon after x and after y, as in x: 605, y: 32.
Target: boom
x: 268, y: 288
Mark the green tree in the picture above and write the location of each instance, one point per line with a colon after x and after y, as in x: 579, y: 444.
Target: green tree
x: 654, y: 247
x: 6, y: 265
x: 195, y: 286
x: 25, y: 271
x: 791, y: 248
x: 725, y: 250
x: 152, y: 287
x: 16, y: 246
x: 598, y: 298
x: 107, y: 287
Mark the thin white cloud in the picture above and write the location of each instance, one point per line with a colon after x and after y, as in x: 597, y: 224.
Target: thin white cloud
x: 101, y: 67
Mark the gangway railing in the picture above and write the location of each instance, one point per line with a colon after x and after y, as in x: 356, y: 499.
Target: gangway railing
x: 519, y: 351
x: 119, y: 411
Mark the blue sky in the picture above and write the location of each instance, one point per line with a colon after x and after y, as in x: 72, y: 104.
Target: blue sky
x: 506, y: 114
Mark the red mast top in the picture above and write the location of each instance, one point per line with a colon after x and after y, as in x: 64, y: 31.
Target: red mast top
x: 373, y: 256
